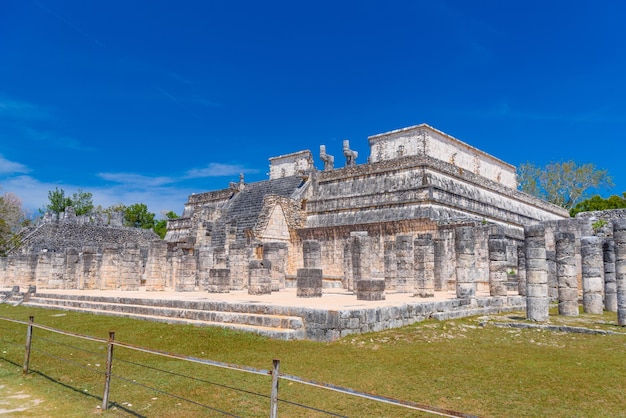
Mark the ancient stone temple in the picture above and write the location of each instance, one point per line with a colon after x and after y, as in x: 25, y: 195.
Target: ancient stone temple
x: 426, y: 216
x: 418, y: 183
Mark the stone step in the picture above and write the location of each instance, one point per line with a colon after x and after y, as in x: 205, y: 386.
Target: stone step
x: 273, y: 326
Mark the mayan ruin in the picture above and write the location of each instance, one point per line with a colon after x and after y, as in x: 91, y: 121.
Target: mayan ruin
x: 422, y: 214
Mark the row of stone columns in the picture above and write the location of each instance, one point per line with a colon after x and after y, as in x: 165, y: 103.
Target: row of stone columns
x: 603, y: 264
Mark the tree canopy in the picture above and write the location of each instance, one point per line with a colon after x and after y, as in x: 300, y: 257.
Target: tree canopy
x: 562, y: 183
x: 82, y: 202
x: 599, y: 203
x: 137, y: 215
x: 12, y: 219
x: 160, y: 227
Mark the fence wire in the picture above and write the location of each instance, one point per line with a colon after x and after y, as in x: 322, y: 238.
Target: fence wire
x: 193, y: 378
x: 247, y: 369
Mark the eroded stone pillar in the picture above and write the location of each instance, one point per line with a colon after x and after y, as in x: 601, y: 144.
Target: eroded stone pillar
x: 110, y: 270
x: 72, y: 269
x: 390, y: 265
x: 521, y: 269
x: 309, y: 279
x: 156, y: 266
x: 131, y: 267
x: 464, y: 245
x: 424, y: 249
x: 619, y: 235
x: 90, y: 269
x: 610, y: 286
x: 566, y: 273
x: 218, y: 281
x: 348, y: 279
x: 360, y: 249
x: 259, y: 278
x: 537, y: 301
x: 497, y: 265
x: 276, y: 254
x: 592, y: 271
x: 405, y: 262
x: 185, y: 269
x: 370, y: 289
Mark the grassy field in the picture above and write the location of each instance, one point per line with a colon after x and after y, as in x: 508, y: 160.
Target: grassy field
x: 469, y: 365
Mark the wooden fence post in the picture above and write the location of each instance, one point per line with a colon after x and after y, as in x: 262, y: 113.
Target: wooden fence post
x: 107, y: 374
x: 274, y: 395
x: 29, y: 338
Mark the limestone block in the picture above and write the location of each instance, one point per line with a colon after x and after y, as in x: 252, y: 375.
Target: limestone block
x: 219, y: 281
x: 309, y: 282
x: 259, y: 278
x: 372, y: 289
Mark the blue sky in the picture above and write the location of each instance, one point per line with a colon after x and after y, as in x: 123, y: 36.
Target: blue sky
x: 150, y: 101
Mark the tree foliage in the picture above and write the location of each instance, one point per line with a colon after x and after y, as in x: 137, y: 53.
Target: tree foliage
x: 82, y: 202
x: 12, y: 219
x: 160, y: 227
x: 563, y: 183
x: 599, y: 203
x: 137, y: 216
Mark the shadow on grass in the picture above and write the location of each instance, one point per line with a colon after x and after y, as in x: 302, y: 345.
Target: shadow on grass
x: 99, y: 398
x: 66, y: 386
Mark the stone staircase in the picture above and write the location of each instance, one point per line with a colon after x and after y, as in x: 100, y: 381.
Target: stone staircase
x: 14, y: 296
x: 243, y: 317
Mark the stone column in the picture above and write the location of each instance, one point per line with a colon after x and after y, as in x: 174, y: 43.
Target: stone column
x: 131, y: 267
x: 218, y: 281
x: 619, y: 235
x: 259, y: 278
x: 370, y: 289
x: 610, y: 287
x: 405, y: 261
x: 497, y: 265
x: 553, y: 286
x: 348, y: 277
x: 110, y: 271
x: 276, y: 254
x: 521, y: 269
x: 156, y: 266
x: 464, y: 244
x: 360, y: 251
x: 185, y: 269
x: 537, y: 301
x: 390, y: 265
x: 592, y: 270
x: 309, y: 279
x: 566, y: 273
x: 90, y: 269
x: 424, y: 249
x: 72, y: 270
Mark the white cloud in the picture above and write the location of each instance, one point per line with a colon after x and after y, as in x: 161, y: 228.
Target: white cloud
x: 15, y: 109
x: 218, y: 170
x: 136, y: 180
x: 11, y: 167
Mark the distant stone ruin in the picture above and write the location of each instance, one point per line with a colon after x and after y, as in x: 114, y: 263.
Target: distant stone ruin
x: 425, y: 213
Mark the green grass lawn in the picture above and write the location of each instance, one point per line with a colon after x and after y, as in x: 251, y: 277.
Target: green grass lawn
x: 468, y: 365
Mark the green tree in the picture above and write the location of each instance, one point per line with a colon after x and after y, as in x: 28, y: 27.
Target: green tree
x: 598, y: 203
x: 137, y: 216
x: 82, y: 202
x: 57, y: 201
x: 563, y: 183
x: 160, y: 227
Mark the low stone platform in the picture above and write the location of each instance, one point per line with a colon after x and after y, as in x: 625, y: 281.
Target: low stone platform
x: 279, y: 315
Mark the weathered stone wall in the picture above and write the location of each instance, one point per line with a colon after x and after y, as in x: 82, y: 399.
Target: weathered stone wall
x: 425, y: 140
